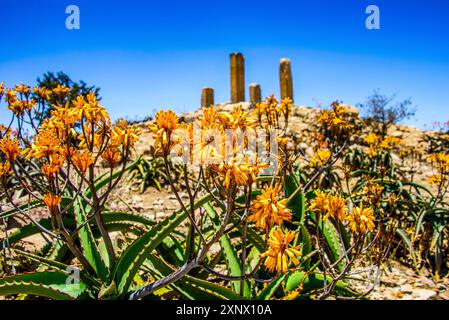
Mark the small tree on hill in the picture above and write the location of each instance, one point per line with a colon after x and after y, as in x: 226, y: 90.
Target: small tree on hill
x: 383, y: 110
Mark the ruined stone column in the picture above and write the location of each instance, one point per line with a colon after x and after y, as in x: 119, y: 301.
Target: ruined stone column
x: 255, y: 95
x: 285, y: 76
x: 207, y: 97
x: 237, y: 78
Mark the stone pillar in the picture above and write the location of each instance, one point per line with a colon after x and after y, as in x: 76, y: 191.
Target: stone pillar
x: 207, y: 97
x: 255, y: 95
x: 285, y: 77
x: 237, y: 78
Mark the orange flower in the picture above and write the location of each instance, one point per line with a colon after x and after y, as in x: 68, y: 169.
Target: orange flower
x: 63, y: 117
x: 91, y: 109
x: 320, y: 203
x: 329, y: 205
x: 372, y: 139
x: 18, y: 107
x: 361, y: 220
x: 441, y: 162
x: 112, y: 156
x: 236, y: 171
x: 11, y: 96
x: 280, y: 254
x: 46, y: 145
x: 282, y: 140
x: 336, y: 122
x: 269, y: 209
x: 389, y: 142
x: 82, y: 160
x: 237, y: 119
x: 206, y: 148
x: 373, y: 192
x: 61, y: 91
x: 259, y: 109
x: 320, y: 158
x: 438, y: 180
x: 42, y: 93
x: 52, y: 202
x: 270, y: 108
x: 271, y: 102
x: 5, y: 169
x: 286, y: 106
x: 52, y: 168
x: 165, y: 124
x: 49, y: 170
x: 11, y: 148
x: 123, y: 134
x: 22, y: 88
x: 209, y: 118
x: 336, y: 208
x: 376, y: 144
x: 231, y: 173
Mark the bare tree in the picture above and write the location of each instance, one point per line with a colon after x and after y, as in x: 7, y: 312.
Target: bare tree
x: 384, y: 110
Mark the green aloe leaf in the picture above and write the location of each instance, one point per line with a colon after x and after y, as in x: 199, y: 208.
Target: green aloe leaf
x: 136, y: 253
x: 304, y: 238
x: 112, y: 216
x: 297, y: 203
x: 51, y: 284
x: 333, y: 241
x: 269, y: 291
x: 191, y: 287
x: 46, y: 263
x: 30, y: 229
x: 88, y: 243
x: 314, y: 281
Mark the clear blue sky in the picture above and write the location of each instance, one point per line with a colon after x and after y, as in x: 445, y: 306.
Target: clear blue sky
x: 147, y: 55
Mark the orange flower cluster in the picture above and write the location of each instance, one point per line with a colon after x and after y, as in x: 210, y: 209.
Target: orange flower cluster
x: 59, y: 141
x: 270, y: 209
x: 112, y: 156
x: 66, y: 144
x: 361, y: 219
x: 52, y: 202
x: 320, y: 158
x: 82, y: 160
x: 440, y: 161
x: 5, y: 170
x: 327, y: 205
x: 164, y: 129
x: 42, y: 93
x: 213, y: 139
x: 236, y: 172
x: 46, y: 145
x: 377, y: 144
x: 273, y: 110
x: 337, y: 122
x: 10, y: 148
x: 124, y: 135
x: 280, y: 251
x: 18, y: 104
